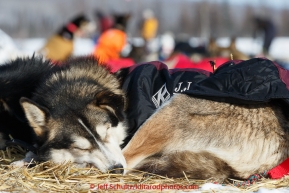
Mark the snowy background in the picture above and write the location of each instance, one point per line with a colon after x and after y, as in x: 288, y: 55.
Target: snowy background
x: 84, y: 46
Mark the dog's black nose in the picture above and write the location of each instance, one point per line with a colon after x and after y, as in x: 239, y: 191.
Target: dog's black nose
x: 116, y: 169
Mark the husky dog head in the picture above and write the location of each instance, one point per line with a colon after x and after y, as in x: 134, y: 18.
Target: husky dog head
x: 78, y: 115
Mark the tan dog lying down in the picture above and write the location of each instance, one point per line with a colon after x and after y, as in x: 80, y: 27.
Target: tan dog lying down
x: 204, y: 139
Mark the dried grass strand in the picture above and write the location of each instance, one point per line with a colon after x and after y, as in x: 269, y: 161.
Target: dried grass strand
x: 67, y: 177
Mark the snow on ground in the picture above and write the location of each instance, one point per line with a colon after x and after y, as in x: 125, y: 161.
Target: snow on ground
x: 210, y: 187
x: 10, y: 48
x: 31, y: 45
x: 279, y: 49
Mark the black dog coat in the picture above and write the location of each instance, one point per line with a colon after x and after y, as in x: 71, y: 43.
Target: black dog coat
x: 149, y: 85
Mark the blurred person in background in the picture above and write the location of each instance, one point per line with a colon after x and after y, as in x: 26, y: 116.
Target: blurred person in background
x: 268, y: 31
x: 149, y: 27
x: 167, y: 45
x: 105, y: 21
x: 186, y: 56
x: 59, y: 46
x: 229, y: 52
x: 111, y: 43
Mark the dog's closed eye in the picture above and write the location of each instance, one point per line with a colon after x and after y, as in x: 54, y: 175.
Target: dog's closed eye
x: 80, y: 148
x: 81, y: 143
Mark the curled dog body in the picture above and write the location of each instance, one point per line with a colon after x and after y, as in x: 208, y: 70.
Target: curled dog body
x: 204, y: 138
x: 230, y: 123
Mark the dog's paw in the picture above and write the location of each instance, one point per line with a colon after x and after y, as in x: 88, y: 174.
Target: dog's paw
x: 19, y: 163
x: 29, y: 159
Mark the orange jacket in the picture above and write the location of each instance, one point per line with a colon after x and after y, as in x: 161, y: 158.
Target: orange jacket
x: 110, y: 45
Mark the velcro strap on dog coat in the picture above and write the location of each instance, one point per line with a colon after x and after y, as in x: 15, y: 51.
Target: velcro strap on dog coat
x: 279, y: 171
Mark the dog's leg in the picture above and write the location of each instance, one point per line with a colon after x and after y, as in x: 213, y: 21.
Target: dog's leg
x: 151, y: 138
x: 202, y: 165
x: 147, y: 142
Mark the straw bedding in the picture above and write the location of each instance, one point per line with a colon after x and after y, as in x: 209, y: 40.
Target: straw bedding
x: 66, y: 177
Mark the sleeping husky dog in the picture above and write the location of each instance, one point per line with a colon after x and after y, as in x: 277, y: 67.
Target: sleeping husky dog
x: 77, y: 114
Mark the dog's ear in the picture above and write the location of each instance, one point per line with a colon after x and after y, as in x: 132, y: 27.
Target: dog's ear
x: 37, y: 116
x: 112, y: 102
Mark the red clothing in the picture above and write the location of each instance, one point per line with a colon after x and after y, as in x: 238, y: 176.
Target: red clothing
x: 205, y: 63
x: 105, y: 23
x: 182, y: 61
x: 117, y: 64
